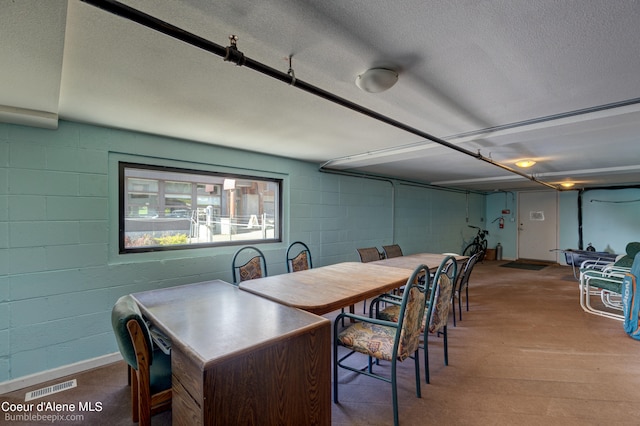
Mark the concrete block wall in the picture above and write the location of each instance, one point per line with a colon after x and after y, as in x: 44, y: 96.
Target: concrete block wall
x: 60, y: 270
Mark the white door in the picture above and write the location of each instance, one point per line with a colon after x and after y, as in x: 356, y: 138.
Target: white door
x: 538, y: 225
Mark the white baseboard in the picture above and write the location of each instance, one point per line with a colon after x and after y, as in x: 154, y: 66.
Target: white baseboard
x: 56, y: 373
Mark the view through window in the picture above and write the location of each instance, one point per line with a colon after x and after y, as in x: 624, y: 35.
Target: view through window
x: 166, y: 208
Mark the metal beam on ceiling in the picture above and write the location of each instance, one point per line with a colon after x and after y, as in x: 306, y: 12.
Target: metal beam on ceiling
x: 232, y: 54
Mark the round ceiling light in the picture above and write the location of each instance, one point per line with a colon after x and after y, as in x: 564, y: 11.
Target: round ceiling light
x: 525, y: 163
x: 377, y: 80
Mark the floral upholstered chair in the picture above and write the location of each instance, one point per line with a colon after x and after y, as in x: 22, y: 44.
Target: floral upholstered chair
x: 391, y: 341
x: 440, y: 301
x: 255, y: 267
x: 438, y: 304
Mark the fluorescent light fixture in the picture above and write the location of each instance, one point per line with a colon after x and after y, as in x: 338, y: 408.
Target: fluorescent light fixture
x: 525, y: 163
x: 377, y: 80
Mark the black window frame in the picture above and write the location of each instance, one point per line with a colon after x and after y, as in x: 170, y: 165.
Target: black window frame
x: 123, y: 193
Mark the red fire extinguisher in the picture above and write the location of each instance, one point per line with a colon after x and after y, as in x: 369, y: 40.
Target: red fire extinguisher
x: 501, y: 222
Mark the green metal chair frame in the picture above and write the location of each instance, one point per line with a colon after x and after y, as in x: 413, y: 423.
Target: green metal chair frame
x: 463, y: 285
x: 303, y: 251
x: 437, y: 307
x: 440, y: 302
x: 236, y: 270
x: 404, y: 329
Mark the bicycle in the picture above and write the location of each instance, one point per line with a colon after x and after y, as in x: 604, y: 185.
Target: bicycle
x: 479, y: 243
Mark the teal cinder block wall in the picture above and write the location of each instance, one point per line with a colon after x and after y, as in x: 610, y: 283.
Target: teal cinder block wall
x: 609, y: 220
x: 60, y: 271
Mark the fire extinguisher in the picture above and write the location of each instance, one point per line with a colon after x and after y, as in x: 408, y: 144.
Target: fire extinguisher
x: 501, y: 222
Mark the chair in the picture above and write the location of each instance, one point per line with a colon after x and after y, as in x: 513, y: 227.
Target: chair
x: 368, y: 254
x: 626, y: 261
x: 255, y: 267
x: 384, y: 340
x: 463, y: 285
x: 438, y: 309
x: 150, y: 370
x: 605, y: 281
x: 393, y: 250
x: 301, y: 260
x: 439, y: 299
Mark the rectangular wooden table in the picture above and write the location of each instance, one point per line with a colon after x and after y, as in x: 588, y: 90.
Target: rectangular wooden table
x: 411, y: 261
x: 241, y: 359
x: 328, y: 288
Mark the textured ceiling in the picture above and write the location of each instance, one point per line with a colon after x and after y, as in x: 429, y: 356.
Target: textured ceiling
x: 554, y: 81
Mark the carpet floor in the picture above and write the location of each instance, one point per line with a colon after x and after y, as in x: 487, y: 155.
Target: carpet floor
x: 523, y: 354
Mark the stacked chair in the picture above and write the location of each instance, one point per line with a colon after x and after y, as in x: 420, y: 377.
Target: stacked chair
x: 605, y: 282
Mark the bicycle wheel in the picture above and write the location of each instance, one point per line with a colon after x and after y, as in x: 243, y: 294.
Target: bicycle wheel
x: 483, y: 247
x: 471, y: 249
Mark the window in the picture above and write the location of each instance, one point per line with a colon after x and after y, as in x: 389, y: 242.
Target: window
x: 166, y: 208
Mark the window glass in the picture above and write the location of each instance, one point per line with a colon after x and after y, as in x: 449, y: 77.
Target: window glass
x: 163, y: 209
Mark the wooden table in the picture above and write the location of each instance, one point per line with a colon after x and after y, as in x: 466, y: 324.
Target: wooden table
x: 328, y: 288
x: 412, y: 261
x: 241, y: 359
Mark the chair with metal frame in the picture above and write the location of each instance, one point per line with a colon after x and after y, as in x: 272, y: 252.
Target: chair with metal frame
x: 463, y: 285
x: 439, y: 299
x: 149, y: 369
x: 254, y: 267
x: 298, y: 257
x: 605, y: 281
x: 367, y: 254
x: 607, y: 284
x: 392, y: 250
x: 440, y: 303
x: 392, y: 341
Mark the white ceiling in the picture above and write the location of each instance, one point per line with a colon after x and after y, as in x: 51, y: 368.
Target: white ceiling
x: 555, y: 81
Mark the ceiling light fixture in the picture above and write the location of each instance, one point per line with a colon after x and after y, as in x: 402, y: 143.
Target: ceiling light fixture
x: 525, y: 163
x: 567, y: 184
x: 376, y: 80
x: 166, y: 28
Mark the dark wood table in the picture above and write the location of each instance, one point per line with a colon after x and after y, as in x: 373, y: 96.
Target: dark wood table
x: 328, y: 288
x: 241, y: 359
